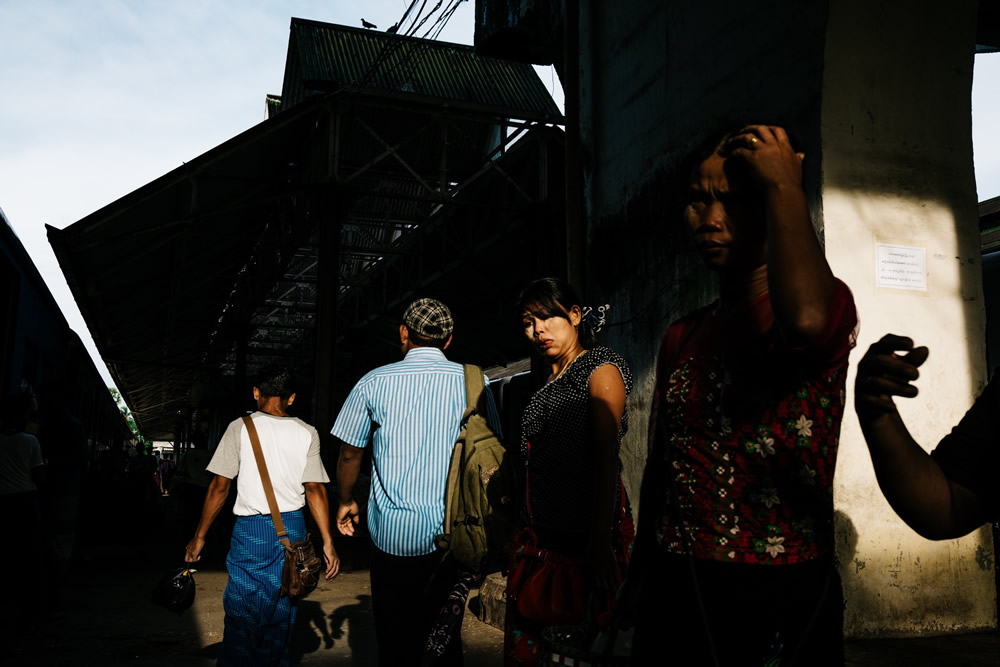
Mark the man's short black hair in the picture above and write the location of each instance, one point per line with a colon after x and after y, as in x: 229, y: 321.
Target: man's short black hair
x: 275, y: 380
x: 423, y: 341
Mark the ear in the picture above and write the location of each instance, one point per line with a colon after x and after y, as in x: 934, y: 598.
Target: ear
x: 291, y: 399
x: 256, y: 394
x: 575, y: 316
x: 447, y: 343
x: 404, y: 334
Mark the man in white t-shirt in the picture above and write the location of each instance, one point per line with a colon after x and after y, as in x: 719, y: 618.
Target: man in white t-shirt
x: 20, y: 454
x: 259, y: 621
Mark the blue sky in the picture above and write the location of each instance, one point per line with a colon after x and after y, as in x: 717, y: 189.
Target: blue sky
x: 103, y: 96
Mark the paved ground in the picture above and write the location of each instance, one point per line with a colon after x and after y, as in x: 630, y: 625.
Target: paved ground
x: 108, y: 620
x: 978, y: 650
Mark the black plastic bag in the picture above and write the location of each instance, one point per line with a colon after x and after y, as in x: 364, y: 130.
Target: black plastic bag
x: 175, y: 591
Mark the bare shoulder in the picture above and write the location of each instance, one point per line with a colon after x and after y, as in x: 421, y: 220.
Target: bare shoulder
x: 606, y: 378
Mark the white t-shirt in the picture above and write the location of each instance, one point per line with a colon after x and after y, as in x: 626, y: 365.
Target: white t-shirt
x: 291, y: 451
x: 20, y: 453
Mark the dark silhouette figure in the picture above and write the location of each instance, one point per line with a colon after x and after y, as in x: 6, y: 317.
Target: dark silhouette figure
x: 66, y: 452
x: 21, y: 475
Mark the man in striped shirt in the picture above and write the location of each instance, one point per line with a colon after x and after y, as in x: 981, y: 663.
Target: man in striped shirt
x: 411, y: 412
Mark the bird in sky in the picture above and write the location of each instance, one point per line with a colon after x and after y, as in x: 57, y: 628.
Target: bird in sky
x: 368, y: 24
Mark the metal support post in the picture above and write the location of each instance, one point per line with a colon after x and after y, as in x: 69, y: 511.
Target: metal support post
x: 327, y: 285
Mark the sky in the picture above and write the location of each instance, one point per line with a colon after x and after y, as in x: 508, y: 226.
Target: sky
x: 100, y: 97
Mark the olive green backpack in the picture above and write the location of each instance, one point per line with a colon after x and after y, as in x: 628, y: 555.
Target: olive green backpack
x: 480, y: 508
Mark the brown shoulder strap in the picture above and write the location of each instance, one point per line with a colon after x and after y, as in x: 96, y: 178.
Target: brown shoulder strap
x: 265, y: 479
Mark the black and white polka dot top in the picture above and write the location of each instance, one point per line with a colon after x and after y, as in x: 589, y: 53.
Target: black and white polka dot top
x: 558, y: 448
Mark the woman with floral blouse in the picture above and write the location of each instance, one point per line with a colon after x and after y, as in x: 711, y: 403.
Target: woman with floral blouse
x: 733, y: 562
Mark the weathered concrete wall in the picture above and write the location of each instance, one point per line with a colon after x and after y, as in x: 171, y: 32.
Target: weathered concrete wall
x: 897, y: 169
x: 877, y: 96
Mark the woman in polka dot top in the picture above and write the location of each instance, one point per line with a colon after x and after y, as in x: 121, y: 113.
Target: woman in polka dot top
x: 574, y: 509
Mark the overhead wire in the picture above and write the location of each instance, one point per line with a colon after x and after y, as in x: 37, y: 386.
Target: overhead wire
x: 417, y: 50
x: 445, y: 17
x: 418, y: 26
x: 399, y: 24
x: 415, y: 18
x: 393, y: 44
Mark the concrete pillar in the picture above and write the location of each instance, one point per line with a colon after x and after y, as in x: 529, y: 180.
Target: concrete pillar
x: 878, y: 96
x: 897, y: 171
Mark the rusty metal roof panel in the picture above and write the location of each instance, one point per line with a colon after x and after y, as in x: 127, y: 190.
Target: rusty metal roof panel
x: 334, y: 58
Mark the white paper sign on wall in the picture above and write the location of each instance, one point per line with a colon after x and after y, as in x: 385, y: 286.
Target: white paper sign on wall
x: 901, y: 267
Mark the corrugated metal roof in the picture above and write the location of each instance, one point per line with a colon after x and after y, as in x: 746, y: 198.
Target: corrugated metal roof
x: 989, y: 208
x: 328, y: 57
x: 989, y: 224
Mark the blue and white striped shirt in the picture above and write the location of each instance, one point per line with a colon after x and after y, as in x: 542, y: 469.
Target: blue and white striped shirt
x: 416, y: 406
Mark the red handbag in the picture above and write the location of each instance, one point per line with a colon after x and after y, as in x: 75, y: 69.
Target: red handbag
x: 547, y: 586
x: 550, y: 587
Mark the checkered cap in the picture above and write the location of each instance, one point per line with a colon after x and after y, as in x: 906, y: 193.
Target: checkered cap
x: 429, y: 318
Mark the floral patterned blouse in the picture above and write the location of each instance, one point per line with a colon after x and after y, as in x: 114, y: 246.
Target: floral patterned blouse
x: 749, y: 434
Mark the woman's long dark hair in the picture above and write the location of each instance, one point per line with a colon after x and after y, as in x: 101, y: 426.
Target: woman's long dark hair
x: 553, y: 297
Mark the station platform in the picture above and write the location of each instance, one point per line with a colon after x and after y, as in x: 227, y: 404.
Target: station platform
x: 107, y: 619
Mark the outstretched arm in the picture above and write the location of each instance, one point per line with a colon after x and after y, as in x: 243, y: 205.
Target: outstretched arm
x: 912, y: 481
x: 319, y: 507
x: 215, y: 498
x: 800, y: 282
